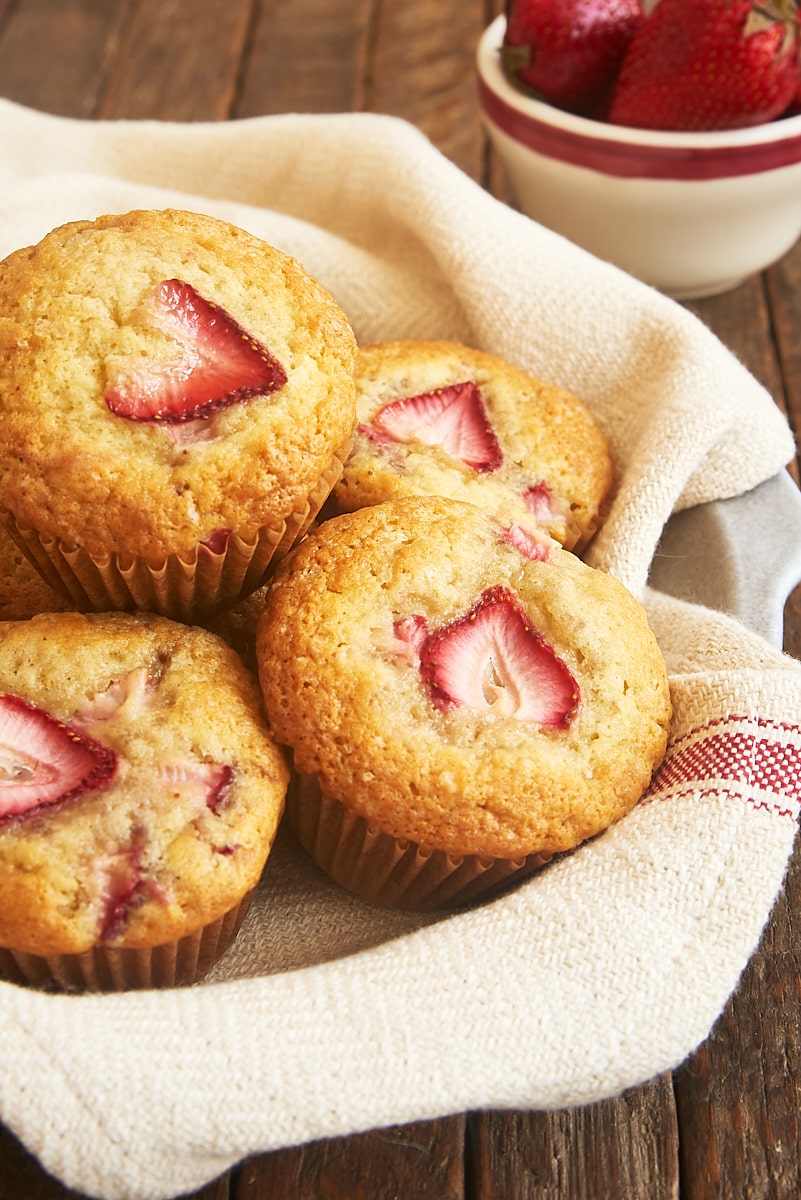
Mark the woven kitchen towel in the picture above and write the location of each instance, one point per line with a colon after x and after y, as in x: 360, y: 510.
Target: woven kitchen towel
x: 613, y: 963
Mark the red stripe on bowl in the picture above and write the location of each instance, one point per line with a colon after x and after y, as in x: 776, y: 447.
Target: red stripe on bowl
x: 627, y: 159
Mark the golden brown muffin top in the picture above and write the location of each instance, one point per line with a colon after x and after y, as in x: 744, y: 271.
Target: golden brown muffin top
x: 456, y: 691
x: 165, y: 376
x: 139, y: 788
x: 442, y: 418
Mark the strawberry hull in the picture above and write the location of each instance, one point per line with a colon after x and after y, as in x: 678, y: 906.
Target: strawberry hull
x: 690, y: 213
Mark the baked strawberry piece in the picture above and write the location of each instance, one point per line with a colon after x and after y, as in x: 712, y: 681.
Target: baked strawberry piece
x: 454, y: 418
x: 492, y: 660
x: 139, y: 796
x: 44, y: 761
x: 441, y: 418
x: 458, y: 708
x: 215, y: 363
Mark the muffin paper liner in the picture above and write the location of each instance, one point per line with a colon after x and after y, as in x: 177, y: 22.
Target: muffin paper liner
x: 181, y: 586
x: 118, y: 968
x: 392, y: 872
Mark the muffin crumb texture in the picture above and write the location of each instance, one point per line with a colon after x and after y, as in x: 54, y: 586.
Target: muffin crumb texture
x: 442, y: 418
x: 141, y: 789
x: 454, y: 691
x: 171, y: 387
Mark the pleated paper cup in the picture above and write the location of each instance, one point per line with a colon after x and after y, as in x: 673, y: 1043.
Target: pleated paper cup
x: 179, y: 963
x: 389, y: 871
x: 182, y: 586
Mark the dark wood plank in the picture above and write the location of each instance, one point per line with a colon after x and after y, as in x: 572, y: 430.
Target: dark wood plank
x: 307, y: 56
x: 741, y: 319
x: 423, y: 69
x: 625, y: 1148
x: 54, y: 55
x: 22, y: 1178
x: 423, y: 1161
x: 739, y: 1096
x: 178, y: 62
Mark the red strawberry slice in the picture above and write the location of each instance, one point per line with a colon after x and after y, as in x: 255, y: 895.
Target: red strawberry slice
x: 454, y: 418
x: 43, y: 761
x: 122, y: 885
x: 122, y: 888
x: 491, y: 660
x: 217, y: 363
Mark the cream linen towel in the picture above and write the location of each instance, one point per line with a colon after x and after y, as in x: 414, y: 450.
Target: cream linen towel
x: 328, y: 1016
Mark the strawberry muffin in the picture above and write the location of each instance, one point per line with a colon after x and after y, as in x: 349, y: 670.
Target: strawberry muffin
x: 176, y: 401
x: 461, y: 702
x: 140, y: 793
x: 440, y: 418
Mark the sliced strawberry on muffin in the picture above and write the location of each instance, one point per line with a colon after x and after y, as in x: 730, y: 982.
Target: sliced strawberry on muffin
x: 44, y: 761
x: 492, y: 660
x: 444, y: 419
x: 217, y: 362
x: 454, y: 418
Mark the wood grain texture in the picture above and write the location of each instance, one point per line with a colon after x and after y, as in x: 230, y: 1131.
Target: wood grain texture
x: 22, y: 1178
x: 423, y: 1161
x: 178, y: 62
x: 307, y: 57
x: 423, y: 69
x: 55, y: 56
x: 624, y: 1148
x: 739, y: 1096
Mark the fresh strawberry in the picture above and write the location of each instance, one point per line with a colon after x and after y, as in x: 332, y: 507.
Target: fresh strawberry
x: 492, y: 660
x: 568, y: 51
x: 43, y: 761
x: 709, y: 64
x: 453, y: 417
x: 217, y: 363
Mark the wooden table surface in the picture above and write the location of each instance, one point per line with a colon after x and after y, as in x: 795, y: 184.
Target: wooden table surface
x: 725, y: 1124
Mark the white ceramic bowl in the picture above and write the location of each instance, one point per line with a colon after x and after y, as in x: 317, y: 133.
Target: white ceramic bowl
x: 691, y: 213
